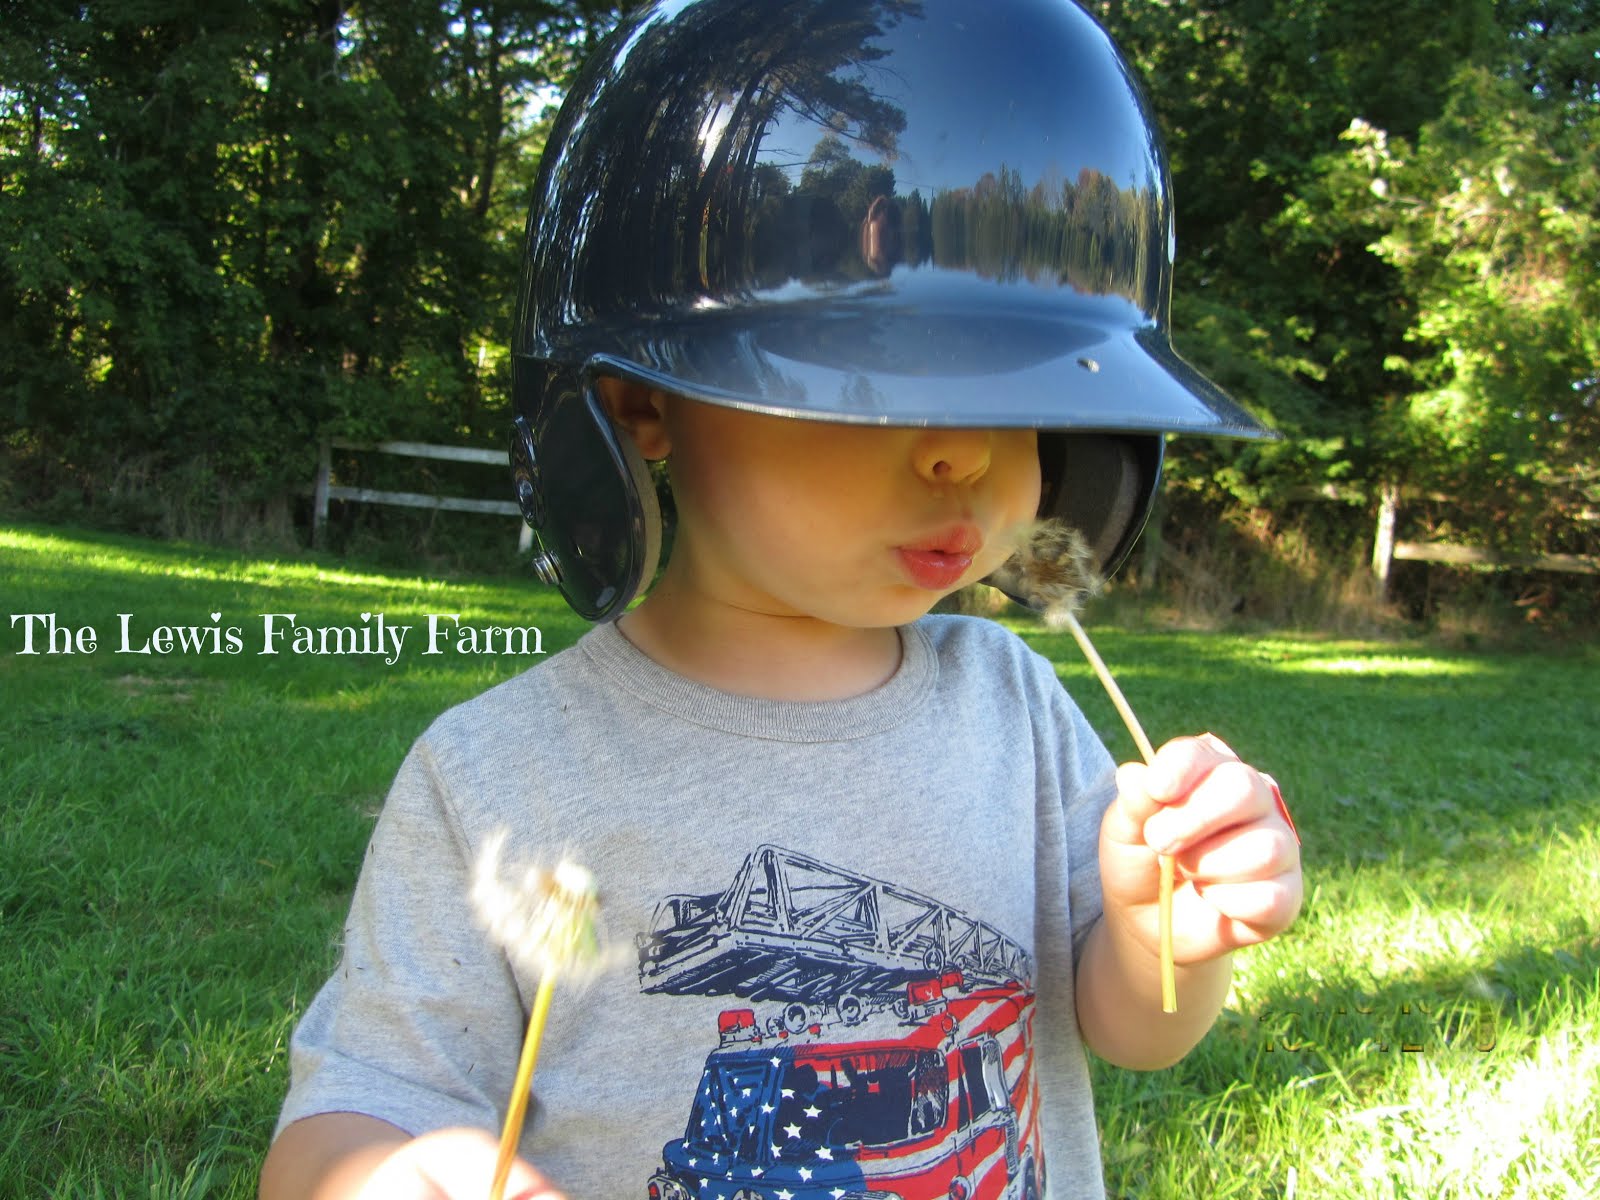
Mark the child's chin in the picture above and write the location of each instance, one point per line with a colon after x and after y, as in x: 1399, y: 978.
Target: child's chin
x: 903, y: 609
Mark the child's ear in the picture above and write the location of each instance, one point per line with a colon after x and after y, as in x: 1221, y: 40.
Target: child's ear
x: 638, y: 411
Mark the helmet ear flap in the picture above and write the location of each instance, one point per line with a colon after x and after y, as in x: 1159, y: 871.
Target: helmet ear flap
x: 1103, y: 485
x: 596, y: 515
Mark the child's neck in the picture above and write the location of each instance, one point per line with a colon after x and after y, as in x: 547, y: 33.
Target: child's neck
x: 757, y: 654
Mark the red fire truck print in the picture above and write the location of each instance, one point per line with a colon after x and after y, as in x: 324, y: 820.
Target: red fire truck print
x: 885, y: 1051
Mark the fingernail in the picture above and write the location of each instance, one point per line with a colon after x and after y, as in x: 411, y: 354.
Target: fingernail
x: 1160, y: 839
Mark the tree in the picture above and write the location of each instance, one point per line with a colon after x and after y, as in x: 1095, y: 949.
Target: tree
x: 1492, y: 217
x: 1387, y: 246
x: 229, y: 228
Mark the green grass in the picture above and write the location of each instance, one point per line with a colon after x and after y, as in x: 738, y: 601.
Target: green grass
x: 1431, y: 1026
x: 179, y: 834
x: 178, y: 839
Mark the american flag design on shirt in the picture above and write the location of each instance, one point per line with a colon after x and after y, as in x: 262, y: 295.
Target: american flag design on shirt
x: 879, y: 1043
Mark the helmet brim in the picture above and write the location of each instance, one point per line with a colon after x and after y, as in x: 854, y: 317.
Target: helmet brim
x: 929, y: 369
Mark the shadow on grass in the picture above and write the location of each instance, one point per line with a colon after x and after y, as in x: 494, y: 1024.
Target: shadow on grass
x: 1383, y: 751
x: 1499, y: 1004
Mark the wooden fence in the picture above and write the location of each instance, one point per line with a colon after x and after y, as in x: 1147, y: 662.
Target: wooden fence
x: 324, y: 490
x: 1385, y: 550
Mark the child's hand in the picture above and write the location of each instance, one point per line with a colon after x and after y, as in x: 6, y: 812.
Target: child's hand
x: 1237, y: 856
x: 451, y: 1164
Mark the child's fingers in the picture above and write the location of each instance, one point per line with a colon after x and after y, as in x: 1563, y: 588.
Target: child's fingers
x: 1240, y: 855
x: 1240, y: 914
x: 1183, y: 762
x: 454, y: 1164
x: 1229, y: 797
x: 1233, y: 843
x: 1125, y: 820
x: 1178, y: 767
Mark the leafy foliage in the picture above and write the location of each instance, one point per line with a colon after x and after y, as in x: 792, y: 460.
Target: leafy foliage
x: 1387, y: 225
x: 1491, y: 220
x: 229, y: 228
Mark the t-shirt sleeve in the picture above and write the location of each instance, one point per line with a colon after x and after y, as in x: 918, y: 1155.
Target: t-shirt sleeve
x: 419, y: 1025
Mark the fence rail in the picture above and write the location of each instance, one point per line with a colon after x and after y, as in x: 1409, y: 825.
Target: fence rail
x: 324, y: 490
x: 1386, y: 550
x: 1477, y: 556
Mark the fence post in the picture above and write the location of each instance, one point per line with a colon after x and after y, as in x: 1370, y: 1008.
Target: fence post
x: 323, y: 489
x: 1383, y: 540
x: 319, y: 495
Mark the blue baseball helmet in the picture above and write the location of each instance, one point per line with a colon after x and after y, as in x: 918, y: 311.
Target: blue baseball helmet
x: 888, y: 212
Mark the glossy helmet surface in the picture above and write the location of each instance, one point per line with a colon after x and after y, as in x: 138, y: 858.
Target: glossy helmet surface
x: 891, y: 212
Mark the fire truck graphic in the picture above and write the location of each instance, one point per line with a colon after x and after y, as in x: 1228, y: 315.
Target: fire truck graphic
x: 887, y: 1052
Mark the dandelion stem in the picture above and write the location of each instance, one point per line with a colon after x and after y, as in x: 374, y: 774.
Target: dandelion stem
x: 511, y: 1134
x: 1169, y: 982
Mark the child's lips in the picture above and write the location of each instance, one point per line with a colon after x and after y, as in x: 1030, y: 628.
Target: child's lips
x: 940, y: 561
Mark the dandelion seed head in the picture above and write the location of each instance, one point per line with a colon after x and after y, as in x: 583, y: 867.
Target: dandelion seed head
x: 1051, y: 570
x: 546, y: 920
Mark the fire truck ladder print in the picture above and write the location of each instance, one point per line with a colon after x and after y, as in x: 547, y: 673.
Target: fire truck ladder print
x: 793, y: 928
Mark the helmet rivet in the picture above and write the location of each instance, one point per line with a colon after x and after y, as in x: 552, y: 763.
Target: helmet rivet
x: 547, y: 568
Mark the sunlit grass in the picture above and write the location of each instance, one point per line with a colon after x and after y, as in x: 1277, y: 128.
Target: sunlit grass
x: 1380, y: 665
x: 179, y: 835
x: 1427, y: 1029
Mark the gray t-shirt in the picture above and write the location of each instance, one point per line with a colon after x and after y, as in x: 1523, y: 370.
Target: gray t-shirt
x: 841, y: 936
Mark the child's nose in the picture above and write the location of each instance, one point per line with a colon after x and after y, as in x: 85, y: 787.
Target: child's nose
x: 952, y: 456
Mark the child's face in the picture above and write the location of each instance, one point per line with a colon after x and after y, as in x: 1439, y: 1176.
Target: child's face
x: 861, y: 526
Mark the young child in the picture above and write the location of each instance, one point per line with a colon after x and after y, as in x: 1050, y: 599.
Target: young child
x: 879, y: 282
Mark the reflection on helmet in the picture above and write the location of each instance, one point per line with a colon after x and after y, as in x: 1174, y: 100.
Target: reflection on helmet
x: 906, y: 212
